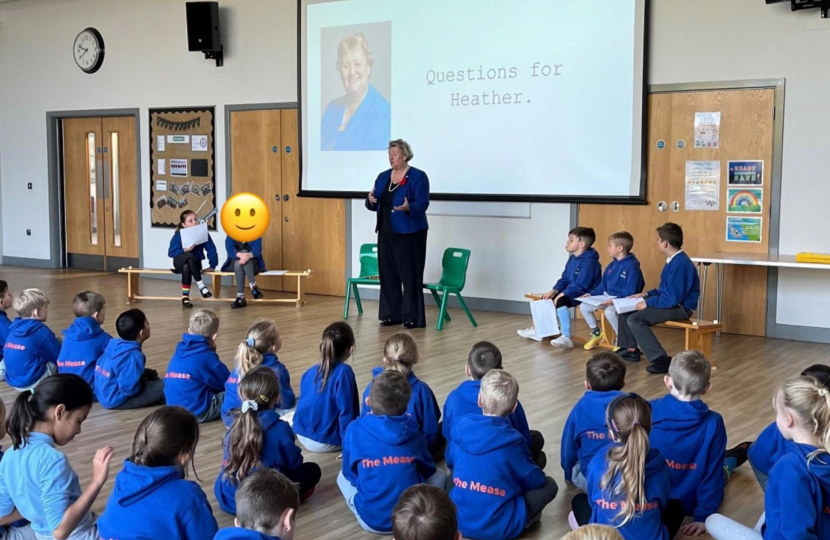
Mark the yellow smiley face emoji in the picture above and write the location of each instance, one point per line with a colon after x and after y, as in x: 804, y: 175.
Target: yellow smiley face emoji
x: 245, y: 217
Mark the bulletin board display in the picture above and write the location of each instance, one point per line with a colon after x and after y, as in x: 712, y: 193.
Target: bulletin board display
x: 182, y: 171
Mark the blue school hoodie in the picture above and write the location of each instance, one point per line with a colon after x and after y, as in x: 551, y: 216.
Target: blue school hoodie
x: 83, y: 343
x: 679, y: 285
x: 29, y: 346
x: 492, y: 470
x: 606, y: 505
x: 156, y: 502
x: 797, y: 501
x: 233, y: 401
x: 383, y: 456
x: 238, y: 533
x: 5, y: 324
x: 194, y: 375
x: 118, y: 372
x: 323, y: 414
x: 585, y: 431
x: 768, y: 448
x: 582, y: 274
x: 175, y: 249
x: 16, y: 524
x: 464, y: 400
x: 622, y: 278
x: 692, y: 438
x: 279, y: 451
x: 423, y: 406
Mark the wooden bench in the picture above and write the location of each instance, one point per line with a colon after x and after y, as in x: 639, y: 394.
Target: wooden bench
x: 134, y: 288
x: 698, y: 334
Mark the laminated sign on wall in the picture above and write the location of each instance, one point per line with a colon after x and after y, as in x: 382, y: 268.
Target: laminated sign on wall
x: 702, y: 185
x: 707, y: 130
x: 183, y: 178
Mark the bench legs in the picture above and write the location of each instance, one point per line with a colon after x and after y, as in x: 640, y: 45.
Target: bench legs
x: 217, y: 285
x: 700, y: 341
x: 132, y: 288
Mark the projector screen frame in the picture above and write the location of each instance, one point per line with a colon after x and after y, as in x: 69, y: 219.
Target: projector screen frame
x: 639, y: 199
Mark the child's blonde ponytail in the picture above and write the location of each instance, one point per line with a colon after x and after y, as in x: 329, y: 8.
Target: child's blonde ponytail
x: 810, y: 401
x: 400, y: 353
x: 262, y: 337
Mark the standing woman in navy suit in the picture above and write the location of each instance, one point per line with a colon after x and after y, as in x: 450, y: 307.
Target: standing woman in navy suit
x: 401, y: 198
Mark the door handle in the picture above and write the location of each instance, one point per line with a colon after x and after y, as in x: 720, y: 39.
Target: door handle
x: 99, y: 181
x: 662, y: 206
x: 675, y: 206
x: 285, y: 219
x: 106, y: 165
x: 285, y: 198
x: 277, y: 197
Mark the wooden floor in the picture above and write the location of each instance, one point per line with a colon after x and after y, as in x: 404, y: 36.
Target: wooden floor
x: 551, y: 382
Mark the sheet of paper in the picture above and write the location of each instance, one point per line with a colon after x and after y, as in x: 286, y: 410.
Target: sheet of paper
x: 161, y: 185
x: 195, y: 235
x: 745, y: 200
x: 596, y: 300
x: 274, y: 273
x: 199, y: 143
x: 160, y: 143
x: 178, y: 167
x: 626, y: 305
x: 544, y: 318
x: 702, y: 185
x: 707, y: 130
x: 162, y: 167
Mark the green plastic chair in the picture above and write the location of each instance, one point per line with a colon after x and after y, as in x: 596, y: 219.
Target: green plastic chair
x: 453, y: 277
x: 368, y: 276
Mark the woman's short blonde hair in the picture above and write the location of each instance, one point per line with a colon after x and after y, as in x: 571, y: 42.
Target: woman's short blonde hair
x: 594, y: 532
x: 353, y: 42
x: 404, y: 147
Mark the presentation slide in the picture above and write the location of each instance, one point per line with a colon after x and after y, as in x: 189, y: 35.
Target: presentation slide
x: 499, y: 99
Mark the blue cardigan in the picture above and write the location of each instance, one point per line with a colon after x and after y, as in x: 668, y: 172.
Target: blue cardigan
x: 415, y: 190
x: 256, y: 251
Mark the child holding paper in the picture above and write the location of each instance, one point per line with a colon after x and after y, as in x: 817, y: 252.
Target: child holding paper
x: 622, y: 278
x: 187, y: 261
x: 582, y: 273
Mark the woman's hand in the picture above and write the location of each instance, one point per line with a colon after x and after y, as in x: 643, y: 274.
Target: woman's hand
x: 372, y: 198
x: 404, y: 207
x: 190, y: 248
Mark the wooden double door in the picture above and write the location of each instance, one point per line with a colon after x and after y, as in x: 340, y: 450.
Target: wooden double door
x: 746, y: 134
x: 100, y: 192
x: 303, y: 233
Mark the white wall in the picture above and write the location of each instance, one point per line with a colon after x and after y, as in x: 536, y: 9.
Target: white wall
x: 721, y: 40
x: 146, y: 65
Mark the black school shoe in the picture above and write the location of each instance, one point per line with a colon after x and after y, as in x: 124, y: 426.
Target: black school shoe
x: 389, y: 322
x: 659, y: 365
x: 629, y: 356
x: 240, y: 302
x: 256, y: 293
x: 740, y: 453
x: 186, y: 302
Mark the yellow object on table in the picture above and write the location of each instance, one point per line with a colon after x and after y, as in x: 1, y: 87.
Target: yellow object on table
x: 816, y: 258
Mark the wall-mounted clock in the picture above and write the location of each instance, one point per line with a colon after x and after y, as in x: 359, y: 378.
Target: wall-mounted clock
x: 88, y: 50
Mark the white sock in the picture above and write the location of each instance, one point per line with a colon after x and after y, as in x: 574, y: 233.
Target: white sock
x: 253, y: 285
x: 200, y: 284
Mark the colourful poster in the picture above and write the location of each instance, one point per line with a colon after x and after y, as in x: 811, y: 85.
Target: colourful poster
x: 746, y: 173
x: 707, y: 130
x: 702, y: 185
x: 745, y: 200
x: 743, y: 229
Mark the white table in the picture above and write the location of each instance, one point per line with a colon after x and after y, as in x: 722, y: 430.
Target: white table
x: 720, y: 260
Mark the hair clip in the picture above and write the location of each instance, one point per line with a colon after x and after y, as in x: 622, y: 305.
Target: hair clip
x: 249, y: 406
x: 636, y: 423
x: 821, y: 391
x: 263, y: 398
x: 250, y: 342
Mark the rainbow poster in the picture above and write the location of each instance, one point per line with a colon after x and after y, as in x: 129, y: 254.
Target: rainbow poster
x: 744, y: 201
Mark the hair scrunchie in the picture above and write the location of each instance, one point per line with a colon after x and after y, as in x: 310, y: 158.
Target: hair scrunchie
x: 250, y: 342
x: 249, y: 406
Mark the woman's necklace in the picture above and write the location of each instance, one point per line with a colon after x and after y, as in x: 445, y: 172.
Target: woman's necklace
x: 391, y: 189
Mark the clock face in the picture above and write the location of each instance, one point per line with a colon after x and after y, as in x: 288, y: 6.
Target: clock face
x: 88, y: 50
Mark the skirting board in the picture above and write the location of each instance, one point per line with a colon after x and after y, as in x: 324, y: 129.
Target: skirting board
x: 27, y: 263
x: 521, y: 307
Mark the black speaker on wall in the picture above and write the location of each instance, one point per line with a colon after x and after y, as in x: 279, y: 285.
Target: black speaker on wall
x: 203, y: 30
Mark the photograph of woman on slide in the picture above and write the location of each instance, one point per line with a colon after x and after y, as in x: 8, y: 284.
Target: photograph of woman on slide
x: 360, y: 119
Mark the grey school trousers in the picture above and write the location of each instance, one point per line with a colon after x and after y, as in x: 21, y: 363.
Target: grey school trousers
x: 635, y: 329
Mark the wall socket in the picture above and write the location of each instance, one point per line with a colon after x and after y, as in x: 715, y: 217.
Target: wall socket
x: 28, y: 232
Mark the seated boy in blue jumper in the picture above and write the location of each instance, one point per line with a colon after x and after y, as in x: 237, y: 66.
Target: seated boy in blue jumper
x: 498, y: 489
x: 771, y: 445
x: 692, y: 438
x: 266, y: 508
x: 84, y: 341
x: 122, y: 380
x: 5, y: 323
x: 621, y: 279
x: 195, y: 378
x: 583, y: 273
x: 674, y: 300
x: 425, y: 513
x: 31, y: 348
x: 384, y: 453
x: 585, y: 431
x: 483, y: 357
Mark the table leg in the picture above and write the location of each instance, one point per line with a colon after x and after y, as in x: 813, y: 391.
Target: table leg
x: 702, y: 301
x: 721, y: 269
